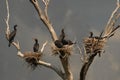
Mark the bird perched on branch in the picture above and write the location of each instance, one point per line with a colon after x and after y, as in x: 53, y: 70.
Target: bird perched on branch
x: 96, y: 37
x: 67, y: 42
x: 58, y: 43
x: 62, y: 35
x: 12, y: 35
x: 64, y: 45
x: 63, y: 40
x: 36, y: 46
x: 91, y: 35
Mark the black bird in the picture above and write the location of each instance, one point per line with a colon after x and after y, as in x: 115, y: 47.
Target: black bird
x: 62, y: 35
x: 70, y: 42
x: 91, y: 35
x: 12, y: 35
x: 63, y: 40
x: 67, y: 42
x: 36, y: 46
x: 58, y: 44
x: 96, y: 37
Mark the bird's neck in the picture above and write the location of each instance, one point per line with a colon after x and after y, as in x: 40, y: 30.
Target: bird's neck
x: 36, y: 41
x: 15, y: 29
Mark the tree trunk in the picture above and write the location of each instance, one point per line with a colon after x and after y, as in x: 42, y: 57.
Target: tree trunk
x: 86, y: 66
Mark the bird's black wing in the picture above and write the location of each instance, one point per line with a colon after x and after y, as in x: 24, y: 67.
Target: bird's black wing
x: 36, y: 47
x: 58, y: 44
x: 11, y: 37
x: 62, y: 35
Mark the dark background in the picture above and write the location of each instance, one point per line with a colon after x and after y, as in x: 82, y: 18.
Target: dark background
x: 78, y: 17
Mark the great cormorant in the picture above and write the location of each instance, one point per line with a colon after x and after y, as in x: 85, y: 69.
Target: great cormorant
x: 91, y: 35
x: 62, y: 35
x: 36, y: 46
x: 12, y: 35
x: 67, y: 42
x: 58, y: 43
x: 63, y: 40
x: 96, y: 37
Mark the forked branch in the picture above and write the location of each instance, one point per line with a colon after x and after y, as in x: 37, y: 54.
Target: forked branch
x: 30, y: 54
x: 46, y: 2
x: 43, y: 15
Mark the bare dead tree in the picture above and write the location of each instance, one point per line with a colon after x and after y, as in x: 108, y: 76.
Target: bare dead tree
x: 31, y: 57
x: 92, y: 45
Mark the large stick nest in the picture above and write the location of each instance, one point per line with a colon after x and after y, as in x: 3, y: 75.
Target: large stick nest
x: 94, y: 45
x: 66, y: 50
x: 32, y: 59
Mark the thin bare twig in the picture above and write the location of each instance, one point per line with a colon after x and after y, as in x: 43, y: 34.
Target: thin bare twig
x: 42, y: 49
x: 81, y: 56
